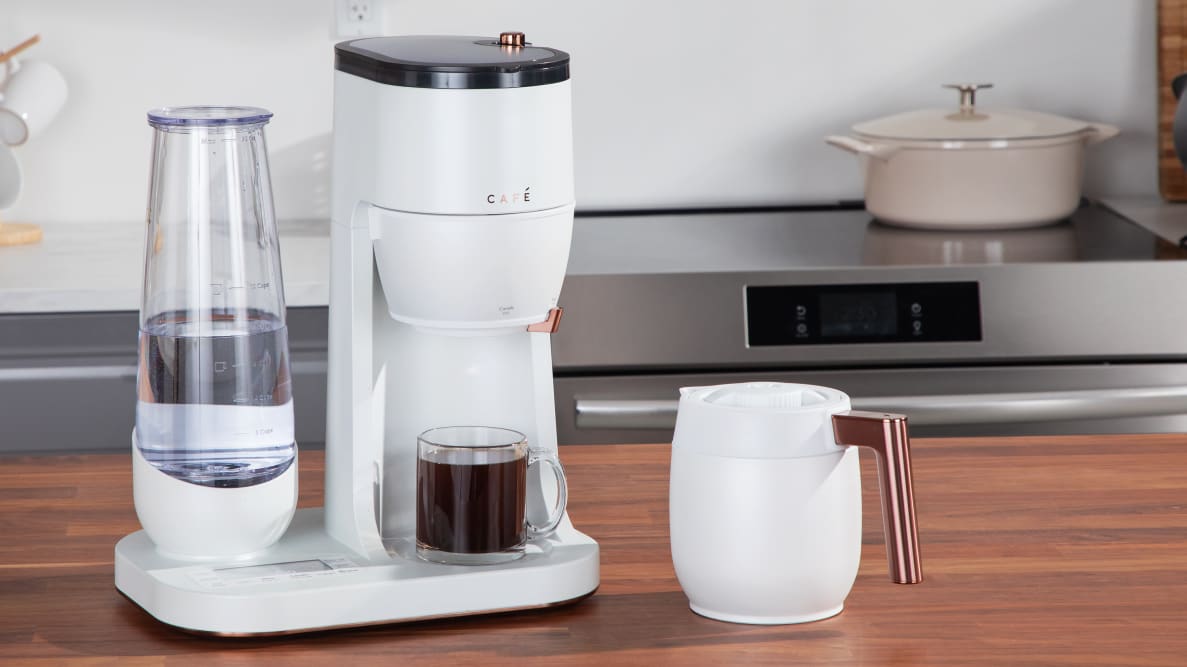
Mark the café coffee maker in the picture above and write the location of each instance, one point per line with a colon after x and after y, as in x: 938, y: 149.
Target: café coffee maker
x: 452, y: 213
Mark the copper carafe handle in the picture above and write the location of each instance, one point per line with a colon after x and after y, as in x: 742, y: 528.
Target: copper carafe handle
x: 887, y: 435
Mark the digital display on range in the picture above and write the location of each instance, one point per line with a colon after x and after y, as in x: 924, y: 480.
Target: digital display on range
x: 848, y: 314
x: 858, y: 314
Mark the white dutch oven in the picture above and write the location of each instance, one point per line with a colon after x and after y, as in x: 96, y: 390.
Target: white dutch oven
x: 968, y: 168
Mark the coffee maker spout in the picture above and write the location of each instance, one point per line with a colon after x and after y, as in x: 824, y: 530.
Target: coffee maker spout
x: 433, y: 378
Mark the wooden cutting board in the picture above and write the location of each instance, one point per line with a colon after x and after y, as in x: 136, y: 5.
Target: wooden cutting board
x: 1172, y: 61
x: 13, y: 233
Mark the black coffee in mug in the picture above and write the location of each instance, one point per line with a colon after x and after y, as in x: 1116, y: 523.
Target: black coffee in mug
x: 471, y: 493
x: 471, y: 508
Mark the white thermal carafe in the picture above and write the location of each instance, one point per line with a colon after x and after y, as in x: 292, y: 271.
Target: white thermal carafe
x: 452, y: 204
x: 765, y: 500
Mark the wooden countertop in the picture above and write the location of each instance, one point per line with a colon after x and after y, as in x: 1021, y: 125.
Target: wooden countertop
x: 1036, y: 551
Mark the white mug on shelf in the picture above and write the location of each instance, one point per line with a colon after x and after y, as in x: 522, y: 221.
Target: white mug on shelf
x: 10, y: 178
x: 31, y: 95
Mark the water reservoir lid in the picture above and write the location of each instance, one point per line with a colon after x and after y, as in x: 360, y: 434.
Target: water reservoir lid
x: 450, y: 61
x: 207, y: 116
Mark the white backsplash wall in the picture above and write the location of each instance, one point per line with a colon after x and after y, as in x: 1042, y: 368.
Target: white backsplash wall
x: 676, y: 102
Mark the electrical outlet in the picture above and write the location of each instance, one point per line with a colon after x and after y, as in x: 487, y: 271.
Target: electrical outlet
x: 358, y: 18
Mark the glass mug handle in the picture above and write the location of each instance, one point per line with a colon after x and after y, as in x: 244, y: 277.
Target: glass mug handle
x: 536, y: 456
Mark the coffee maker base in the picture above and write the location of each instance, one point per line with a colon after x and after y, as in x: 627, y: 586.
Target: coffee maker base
x: 308, y: 581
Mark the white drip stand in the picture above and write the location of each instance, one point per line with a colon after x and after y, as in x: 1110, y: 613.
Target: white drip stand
x: 309, y: 581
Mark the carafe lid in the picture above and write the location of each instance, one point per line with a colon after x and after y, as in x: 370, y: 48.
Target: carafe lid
x: 763, y: 395
x: 207, y: 116
x: 758, y: 420
x: 453, y: 62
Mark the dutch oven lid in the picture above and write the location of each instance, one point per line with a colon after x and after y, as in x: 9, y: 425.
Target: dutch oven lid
x: 446, y: 61
x: 968, y: 123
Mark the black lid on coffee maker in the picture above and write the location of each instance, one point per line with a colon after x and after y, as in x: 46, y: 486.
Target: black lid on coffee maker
x: 443, y: 61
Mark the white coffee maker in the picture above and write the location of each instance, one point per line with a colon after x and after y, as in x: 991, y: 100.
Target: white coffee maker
x: 452, y: 212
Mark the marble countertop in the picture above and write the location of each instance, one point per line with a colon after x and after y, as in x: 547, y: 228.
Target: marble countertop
x: 1166, y: 219
x: 89, y: 267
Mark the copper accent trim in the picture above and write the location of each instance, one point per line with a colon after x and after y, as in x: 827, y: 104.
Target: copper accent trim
x: 886, y: 434
x: 550, y: 323
x: 512, y: 39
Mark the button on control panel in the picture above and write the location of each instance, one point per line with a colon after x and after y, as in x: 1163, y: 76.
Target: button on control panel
x: 247, y: 575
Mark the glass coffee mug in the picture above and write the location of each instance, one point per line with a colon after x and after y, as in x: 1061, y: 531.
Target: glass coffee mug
x: 471, y: 495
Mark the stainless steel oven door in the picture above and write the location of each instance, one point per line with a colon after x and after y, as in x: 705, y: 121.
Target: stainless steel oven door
x: 948, y: 402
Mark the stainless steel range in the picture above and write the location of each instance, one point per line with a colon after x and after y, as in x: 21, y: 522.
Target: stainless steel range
x: 1074, y: 327
x: 1077, y: 327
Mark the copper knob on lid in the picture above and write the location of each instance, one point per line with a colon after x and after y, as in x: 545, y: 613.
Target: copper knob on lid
x: 511, y: 39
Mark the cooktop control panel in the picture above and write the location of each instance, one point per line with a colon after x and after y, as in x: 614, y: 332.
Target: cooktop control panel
x: 862, y: 313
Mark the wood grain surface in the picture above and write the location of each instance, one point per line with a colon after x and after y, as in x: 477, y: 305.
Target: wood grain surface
x: 1172, y: 61
x: 1038, y: 551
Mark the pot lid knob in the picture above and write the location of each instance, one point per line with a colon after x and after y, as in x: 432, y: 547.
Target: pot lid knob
x: 968, y: 94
